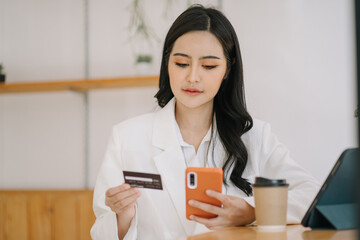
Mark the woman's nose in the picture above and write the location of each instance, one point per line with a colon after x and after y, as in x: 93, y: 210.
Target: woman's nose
x: 193, y: 76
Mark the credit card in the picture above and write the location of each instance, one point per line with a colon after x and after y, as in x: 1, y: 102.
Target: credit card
x: 143, y: 180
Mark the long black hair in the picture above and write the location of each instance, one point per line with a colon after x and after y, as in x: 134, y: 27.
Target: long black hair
x: 232, y: 118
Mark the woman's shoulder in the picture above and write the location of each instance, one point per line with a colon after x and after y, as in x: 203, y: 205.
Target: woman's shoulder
x: 258, y: 126
x: 134, y: 131
x: 146, y: 121
x: 256, y: 133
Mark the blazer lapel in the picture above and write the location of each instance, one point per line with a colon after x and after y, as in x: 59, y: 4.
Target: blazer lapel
x: 170, y: 161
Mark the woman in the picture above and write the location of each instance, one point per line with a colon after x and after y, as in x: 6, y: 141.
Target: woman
x: 203, y: 122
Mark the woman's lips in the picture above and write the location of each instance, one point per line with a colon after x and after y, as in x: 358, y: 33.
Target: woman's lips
x: 192, y: 91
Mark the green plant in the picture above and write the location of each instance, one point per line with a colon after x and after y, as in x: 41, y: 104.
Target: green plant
x: 138, y: 27
x: 144, y: 59
x: 2, y: 75
x: 141, y: 35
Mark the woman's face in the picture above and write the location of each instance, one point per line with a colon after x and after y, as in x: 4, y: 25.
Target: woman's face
x: 197, y: 66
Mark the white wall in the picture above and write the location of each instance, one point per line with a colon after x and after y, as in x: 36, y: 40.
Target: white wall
x: 299, y: 76
x: 41, y: 140
x: 42, y: 40
x: 42, y: 134
x: 299, y: 64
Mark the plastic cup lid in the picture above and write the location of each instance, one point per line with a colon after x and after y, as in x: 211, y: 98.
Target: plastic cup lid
x: 266, y: 182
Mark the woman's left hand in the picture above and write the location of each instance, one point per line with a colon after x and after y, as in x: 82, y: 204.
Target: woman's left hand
x: 235, y: 211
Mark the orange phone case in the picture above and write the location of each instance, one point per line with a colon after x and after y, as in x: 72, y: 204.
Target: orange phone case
x: 207, y: 178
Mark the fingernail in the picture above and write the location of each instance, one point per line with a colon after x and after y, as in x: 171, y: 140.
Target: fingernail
x: 191, y: 202
x: 208, y: 192
x: 191, y: 217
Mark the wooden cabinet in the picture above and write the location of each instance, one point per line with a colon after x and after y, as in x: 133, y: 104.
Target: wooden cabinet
x: 50, y: 215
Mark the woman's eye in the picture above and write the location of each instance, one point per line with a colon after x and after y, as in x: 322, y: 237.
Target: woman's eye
x: 209, y: 66
x: 182, y: 64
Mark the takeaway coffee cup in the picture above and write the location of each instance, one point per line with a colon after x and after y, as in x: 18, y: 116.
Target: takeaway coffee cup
x: 270, y: 203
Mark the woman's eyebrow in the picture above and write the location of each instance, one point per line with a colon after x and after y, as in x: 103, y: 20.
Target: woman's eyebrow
x: 182, y: 55
x: 187, y: 56
x: 210, y: 57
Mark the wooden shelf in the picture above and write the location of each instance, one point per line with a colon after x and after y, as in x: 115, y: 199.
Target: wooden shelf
x: 79, y: 85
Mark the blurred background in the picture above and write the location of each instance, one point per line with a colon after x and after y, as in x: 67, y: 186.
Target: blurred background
x: 299, y: 67
x: 299, y: 62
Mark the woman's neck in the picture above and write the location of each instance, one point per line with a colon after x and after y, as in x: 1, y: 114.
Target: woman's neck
x: 193, y: 123
x: 193, y: 119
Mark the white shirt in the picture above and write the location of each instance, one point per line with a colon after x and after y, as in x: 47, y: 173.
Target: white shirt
x: 193, y: 158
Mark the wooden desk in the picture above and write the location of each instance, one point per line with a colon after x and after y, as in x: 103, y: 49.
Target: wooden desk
x: 292, y: 232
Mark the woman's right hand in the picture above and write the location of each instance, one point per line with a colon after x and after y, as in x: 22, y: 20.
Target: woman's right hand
x: 121, y: 199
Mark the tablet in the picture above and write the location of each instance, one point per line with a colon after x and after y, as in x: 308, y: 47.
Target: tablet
x: 335, y: 205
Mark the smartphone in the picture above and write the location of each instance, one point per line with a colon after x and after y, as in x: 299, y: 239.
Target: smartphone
x: 198, y: 180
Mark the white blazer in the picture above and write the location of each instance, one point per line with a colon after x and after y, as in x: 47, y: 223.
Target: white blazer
x: 149, y: 143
